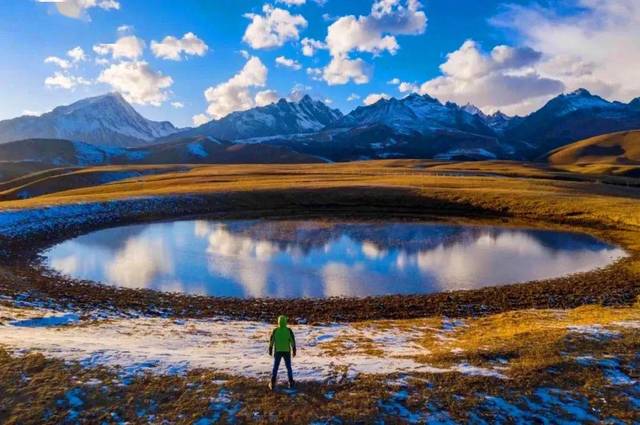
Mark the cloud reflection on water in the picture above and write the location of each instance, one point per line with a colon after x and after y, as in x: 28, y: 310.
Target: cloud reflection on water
x: 319, y: 259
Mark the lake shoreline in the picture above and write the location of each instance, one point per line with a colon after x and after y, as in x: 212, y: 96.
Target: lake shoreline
x: 26, y: 277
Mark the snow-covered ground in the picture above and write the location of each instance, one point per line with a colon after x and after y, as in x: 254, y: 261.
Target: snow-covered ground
x: 166, y: 345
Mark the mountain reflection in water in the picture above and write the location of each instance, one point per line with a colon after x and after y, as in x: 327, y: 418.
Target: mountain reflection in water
x: 291, y: 259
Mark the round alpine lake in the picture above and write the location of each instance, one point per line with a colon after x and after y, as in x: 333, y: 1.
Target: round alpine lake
x: 319, y: 259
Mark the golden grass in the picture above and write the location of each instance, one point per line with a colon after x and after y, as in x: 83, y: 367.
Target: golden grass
x: 613, y: 148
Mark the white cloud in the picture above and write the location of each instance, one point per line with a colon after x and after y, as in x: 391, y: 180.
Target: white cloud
x: 353, y: 97
x: 292, y: 2
x: 124, y: 29
x: 310, y: 46
x: 77, y: 54
x: 297, y: 92
x: 266, y: 97
x: 61, y: 63
x: 315, y: 73
x: 65, y: 81
x: 235, y: 93
x: 595, y: 47
x: 376, y: 32
x: 129, y: 47
x: 31, y: 113
x: 137, y: 82
x: 288, y: 63
x: 78, y: 8
x: 374, y: 97
x: 502, y: 79
x: 405, y: 87
x: 200, y: 119
x: 244, y: 54
x: 173, y: 48
x: 177, y: 105
x: 394, y: 81
x: 273, y: 29
x: 341, y: 70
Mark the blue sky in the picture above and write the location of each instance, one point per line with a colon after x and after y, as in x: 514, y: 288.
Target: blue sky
x: 511, y: 56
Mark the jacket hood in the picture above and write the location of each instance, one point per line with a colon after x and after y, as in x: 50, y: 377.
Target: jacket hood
x: 282, y: 321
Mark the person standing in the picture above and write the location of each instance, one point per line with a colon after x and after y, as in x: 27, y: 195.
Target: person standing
x: 282, y: 345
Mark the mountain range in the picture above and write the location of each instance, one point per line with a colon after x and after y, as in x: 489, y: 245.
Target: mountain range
x: 416, y: 126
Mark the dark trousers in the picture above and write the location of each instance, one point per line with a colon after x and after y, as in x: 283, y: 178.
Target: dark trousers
x: 279, y: 355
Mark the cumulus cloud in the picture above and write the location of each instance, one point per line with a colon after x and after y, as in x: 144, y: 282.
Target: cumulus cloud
x: 374, y: 33
x: 78, y: 8
x: 405, y: 87
x: 266, y: 97
x: 353, y: 97
x: 595, y: 47
x: 292, y: 2
x: 177, y: 105
x: 504, y: 78
x: 394, y: 81
x: 137, y: 82
x: 288, y: 63
x: 341, y: 70
x: 298, y: 91
x: 62, y: 63
x: 173, y: 48
x: 235, y: 94
x: 200, y: 119
x: 128, y: 47
x: 65, y: 81
x: 310, y: 46
x: 273, y: 29
x: 374, y: 97
x: 77, y: 54
x: 315, y: 73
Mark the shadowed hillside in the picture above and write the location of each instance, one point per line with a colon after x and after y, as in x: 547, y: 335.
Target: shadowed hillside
x: 613, y: 153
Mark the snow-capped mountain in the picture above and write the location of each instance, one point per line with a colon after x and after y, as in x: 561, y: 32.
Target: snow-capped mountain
x: 106, y: 120
x: 280, y: 118
x: 416, y: 114
x: 570, y: 117
x: 497, y: 121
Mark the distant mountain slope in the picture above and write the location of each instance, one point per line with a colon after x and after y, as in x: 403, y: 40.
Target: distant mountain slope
x: 191, y: 150
x: 106, y: 120
x: 621, y: 148
x: 281, y: 118
x: 571, y: 117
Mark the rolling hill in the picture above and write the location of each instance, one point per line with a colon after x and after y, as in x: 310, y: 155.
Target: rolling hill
x: 612, y: 153
x: 34, y: 155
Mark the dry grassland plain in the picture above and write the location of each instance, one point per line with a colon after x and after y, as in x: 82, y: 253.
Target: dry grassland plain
x: 563, y: 350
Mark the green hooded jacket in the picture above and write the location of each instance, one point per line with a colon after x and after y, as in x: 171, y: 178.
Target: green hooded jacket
x: 282, y: 338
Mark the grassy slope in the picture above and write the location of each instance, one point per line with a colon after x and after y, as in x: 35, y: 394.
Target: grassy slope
x: 60, y: 179
x: 614, y: 153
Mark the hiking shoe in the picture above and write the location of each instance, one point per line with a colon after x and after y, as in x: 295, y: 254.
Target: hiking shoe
x: 272, y: 385
x: 292, y: 384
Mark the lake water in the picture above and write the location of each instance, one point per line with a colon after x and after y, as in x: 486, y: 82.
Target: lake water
x: 291, y: 259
